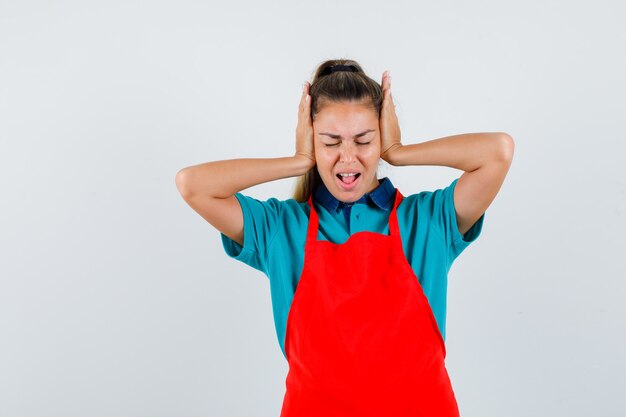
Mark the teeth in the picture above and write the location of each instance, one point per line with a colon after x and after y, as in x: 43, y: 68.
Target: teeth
x: 350, y: 174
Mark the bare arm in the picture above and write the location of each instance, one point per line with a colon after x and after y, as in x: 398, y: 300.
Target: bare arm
x: 485, y: 157
x: 210, y: 188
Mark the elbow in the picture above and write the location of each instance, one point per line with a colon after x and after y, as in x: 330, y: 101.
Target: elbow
x: 506, y: 147
x: 182, y: 183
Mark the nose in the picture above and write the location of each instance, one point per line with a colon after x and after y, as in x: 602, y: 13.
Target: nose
x: 347, y: 153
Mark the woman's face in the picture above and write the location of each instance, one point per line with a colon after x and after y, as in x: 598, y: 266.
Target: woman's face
x: 346, y: 138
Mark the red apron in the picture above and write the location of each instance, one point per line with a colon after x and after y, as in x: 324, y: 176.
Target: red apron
x: 361, y: 339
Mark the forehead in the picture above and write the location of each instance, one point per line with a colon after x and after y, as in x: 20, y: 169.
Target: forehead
x: 345, y: 115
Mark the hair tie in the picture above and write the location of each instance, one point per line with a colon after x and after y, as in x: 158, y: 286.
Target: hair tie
x: 338, y: 67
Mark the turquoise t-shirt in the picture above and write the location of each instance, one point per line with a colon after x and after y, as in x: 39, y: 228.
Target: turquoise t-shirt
x: 275, y: 235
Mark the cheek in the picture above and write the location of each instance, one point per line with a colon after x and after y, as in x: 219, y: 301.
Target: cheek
x: 324, y: 154
x: 371, y: 152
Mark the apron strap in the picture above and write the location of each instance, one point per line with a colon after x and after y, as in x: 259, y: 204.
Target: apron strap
x: 394, y: 229
x: 311, y: 233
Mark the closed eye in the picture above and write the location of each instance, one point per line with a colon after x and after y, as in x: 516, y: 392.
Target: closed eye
x: 358, y: 143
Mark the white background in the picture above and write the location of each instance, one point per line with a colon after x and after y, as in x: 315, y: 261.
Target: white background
x: 117, y: 299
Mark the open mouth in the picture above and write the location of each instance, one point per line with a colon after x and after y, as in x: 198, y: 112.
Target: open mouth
x: 348, y: 179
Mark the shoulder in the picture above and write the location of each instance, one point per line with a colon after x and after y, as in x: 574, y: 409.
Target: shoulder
x: 272, y: 210
x: 417, y: 201
x: 272, y: 203
x: 266, y: 222
x: 429, y: 200
x: 426, y: 209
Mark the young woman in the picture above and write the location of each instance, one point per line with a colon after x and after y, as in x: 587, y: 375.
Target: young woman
x: 358, y: 272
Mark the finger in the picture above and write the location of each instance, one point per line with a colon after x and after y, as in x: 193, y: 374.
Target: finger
x: 387, y: 99
x: 384, y: 81
x: 306, y: 98
x: 303, y: 96
x: 387, y: 102
x: 388, y: 95
x: 390, y: 104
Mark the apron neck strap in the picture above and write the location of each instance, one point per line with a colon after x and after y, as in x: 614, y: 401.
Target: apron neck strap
x: 394, y: 229
x: 313, y: 222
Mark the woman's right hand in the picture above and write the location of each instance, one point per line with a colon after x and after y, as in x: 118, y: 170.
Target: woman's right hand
x: 304, y: 130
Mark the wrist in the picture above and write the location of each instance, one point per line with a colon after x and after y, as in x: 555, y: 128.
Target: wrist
x: 388, y: 154
x: 307, y: 161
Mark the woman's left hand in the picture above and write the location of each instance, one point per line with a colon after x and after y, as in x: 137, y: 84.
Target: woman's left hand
x: 389, y: 127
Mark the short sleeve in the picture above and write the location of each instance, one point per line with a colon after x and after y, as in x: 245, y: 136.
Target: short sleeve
x: 260, y: 220
x: 439, y: 205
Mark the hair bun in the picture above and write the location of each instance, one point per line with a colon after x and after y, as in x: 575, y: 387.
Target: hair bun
x: 339, y: 67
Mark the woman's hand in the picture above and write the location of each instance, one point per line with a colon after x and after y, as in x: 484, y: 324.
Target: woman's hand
x: 389, y: 127
x: 304, y: 130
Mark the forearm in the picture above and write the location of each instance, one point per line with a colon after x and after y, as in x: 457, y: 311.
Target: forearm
x: 221, y: 179
x: 467, y: 152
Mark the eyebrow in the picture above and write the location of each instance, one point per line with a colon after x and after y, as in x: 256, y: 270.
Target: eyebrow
x: 340, y: 137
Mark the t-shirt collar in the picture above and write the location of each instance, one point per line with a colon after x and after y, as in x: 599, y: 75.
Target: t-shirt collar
x: 381, y: 196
